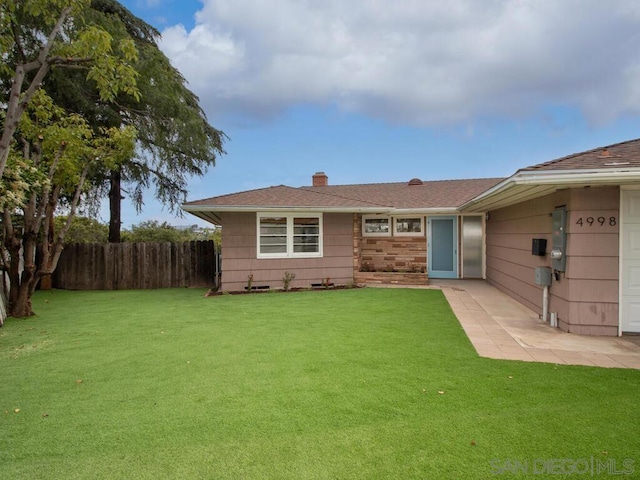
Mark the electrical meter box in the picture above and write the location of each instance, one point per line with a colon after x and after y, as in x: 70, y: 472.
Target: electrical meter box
x: 543, y: 276
x: 559, y: 239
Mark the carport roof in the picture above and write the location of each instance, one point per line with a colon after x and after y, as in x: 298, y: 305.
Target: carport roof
x: 624, y: 154
x: 617, y: 164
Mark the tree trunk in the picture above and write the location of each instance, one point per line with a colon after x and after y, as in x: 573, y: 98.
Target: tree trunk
x: 14, y: 273
x: 115, y: 207
x: 22, y: 306
x: 26, y: 281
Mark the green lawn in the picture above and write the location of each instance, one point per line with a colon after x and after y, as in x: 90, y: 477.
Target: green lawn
x: 364, y: 383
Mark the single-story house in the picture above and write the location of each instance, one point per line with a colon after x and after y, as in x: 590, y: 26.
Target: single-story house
x: 577, y: 217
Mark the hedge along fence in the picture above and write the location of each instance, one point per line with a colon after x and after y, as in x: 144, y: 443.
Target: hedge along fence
x: 120, y: 266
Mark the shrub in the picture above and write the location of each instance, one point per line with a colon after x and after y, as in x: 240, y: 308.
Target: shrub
x: 287, y: 279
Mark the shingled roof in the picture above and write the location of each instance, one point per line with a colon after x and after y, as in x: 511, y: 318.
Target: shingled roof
x: 401, y: 195
x: 615, y: 164
x: 413, y: 195
x: 624, y: 154
x: 278, y: 197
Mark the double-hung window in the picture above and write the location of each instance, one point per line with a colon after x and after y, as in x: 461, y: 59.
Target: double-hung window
x: 272, y: 237
x: 289, y: 235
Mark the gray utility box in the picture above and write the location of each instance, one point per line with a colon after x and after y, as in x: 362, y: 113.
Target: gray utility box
x: 543, y: 276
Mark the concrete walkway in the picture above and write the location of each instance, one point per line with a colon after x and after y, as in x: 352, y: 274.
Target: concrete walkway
x: 500, y: 327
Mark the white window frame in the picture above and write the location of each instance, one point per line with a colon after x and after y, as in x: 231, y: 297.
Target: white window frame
x: 289, y: 253
x: 396, y: 233
x: 376, y: 217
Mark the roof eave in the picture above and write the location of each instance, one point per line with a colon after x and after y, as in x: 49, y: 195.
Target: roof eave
x: 279, y: 208
x: 552, y: 178
x: 210, y: 217
x: 426, y: 211
x: 203, y: 211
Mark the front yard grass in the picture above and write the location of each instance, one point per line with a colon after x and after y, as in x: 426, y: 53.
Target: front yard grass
x: 364, y: 383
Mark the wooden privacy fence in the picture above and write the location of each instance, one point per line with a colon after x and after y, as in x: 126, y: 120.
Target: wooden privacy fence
x: 120, y: 266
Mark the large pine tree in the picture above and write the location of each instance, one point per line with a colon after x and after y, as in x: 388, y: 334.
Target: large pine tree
x: 175, y: 141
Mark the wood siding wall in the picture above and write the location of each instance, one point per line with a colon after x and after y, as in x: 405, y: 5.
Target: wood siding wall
x: 121, y: 266
x: 586, y: 296
x: 239, y: 255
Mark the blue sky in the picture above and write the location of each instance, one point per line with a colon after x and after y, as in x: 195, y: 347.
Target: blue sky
x: 377, y: 91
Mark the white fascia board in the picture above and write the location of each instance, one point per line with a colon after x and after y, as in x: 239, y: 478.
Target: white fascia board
x: 370, y: 210
x: 267, y: 208
x: 559, y: 177
x: 425, y: 211
x: 569, y: 177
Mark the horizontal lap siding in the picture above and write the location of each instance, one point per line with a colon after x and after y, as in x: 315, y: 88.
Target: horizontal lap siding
x: 585, y: 267
x: 510, y: 264
x: 586, y: 296
x: 593, y: 261
x: 594, y: 318
x: 239, y: 255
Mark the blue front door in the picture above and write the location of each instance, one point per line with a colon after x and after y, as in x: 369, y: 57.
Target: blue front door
x: 442, y: 247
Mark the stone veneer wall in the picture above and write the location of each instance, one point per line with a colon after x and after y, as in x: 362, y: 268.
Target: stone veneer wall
x: 394, y: 278
x: 388, y: 253
x: 394, y: 253
x: 357, y: 236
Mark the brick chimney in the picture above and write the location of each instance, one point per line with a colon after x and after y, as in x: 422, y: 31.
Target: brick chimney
x: 320, y: 179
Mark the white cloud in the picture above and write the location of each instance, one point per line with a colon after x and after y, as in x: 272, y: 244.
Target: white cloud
x: 413, y: 61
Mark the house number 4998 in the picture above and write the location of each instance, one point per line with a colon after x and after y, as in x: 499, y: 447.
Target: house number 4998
x: 602, y: 221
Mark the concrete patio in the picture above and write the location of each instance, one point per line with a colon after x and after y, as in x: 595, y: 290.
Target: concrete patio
x: 500, y: 327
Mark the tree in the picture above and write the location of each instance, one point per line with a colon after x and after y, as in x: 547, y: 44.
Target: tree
x: 46, y: 152
x: 34, y: 38
x: 89, y: 230
x: 175, y: 140
x: 82, y: 229
x: 58, y: 153
x: 154, y: 231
